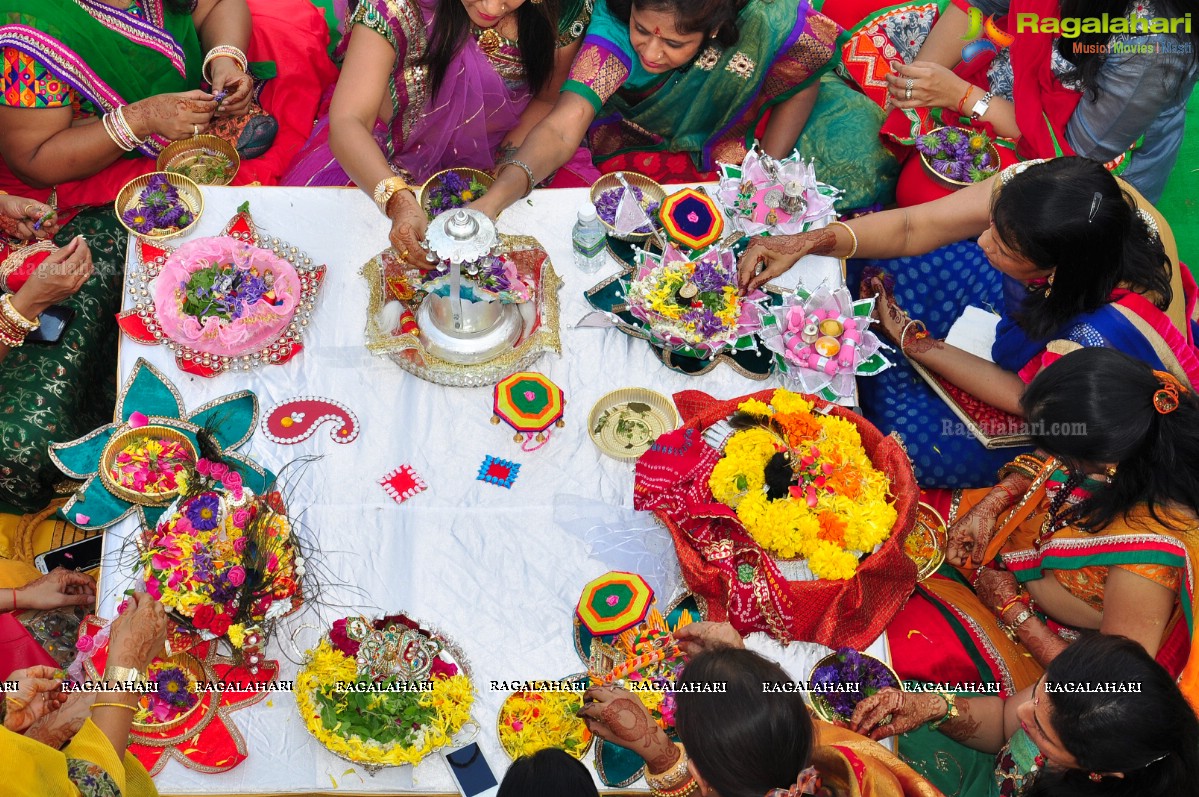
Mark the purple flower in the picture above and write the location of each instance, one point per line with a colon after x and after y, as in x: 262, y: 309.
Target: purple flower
x: 204, y: 511
x: 222, y: 589
x: 849, y: 679
x: 137, y: 220
x: 173, y: 688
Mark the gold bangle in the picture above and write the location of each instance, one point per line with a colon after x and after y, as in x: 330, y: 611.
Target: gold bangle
x: 17, y: 703
x: 223, y: 51
x: 951, y: 709
x: 688, y: 788
x: 13, y: 315
x: 114, y: 705
x: 671, y: 778
x: 387, y: 188
x: 921, y: 332
x: 852, y: 237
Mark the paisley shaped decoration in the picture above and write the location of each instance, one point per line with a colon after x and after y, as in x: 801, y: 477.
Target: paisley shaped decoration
x: 295, y: 420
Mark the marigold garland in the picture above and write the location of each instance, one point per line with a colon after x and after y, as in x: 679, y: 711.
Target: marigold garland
x: 836, y: 510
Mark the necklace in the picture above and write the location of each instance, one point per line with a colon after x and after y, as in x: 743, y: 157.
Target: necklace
x: 489, y: 41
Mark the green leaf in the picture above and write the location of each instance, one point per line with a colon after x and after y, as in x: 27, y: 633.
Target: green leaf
x: 244, y: 207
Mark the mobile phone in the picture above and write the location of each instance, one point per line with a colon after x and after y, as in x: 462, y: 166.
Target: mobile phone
x: 53, y: 323
x: 82, y: 555
x: 471, y: 772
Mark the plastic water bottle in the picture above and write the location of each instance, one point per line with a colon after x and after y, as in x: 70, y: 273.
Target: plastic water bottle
x: 588, y: 239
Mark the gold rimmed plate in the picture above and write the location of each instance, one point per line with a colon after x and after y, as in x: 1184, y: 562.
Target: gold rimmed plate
x: 626, y: 422
x: 547, y: 724
x: 926, y: 543
x: 483, y: 178
x: 189, y: 194
x: 651, y: 190
x: 129, y: 436
x: 820, y: 704
x: 204, y: 159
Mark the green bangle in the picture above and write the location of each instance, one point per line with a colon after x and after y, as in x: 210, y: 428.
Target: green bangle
x: 951, y: 710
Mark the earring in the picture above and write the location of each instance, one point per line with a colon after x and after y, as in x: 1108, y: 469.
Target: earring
x: 1095, y: 777
x: 1049, y: 285
x: 1111, y: 473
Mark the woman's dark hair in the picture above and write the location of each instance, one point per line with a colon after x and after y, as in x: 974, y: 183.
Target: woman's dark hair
x: 743, y: 741
x: 547, y: 773
x: 1151, y: 735
x: 180, y: 6
x: 1044, y: 214
x: 537, y: 36
x: 1096, y: 406
x: 712, y: 18
x: 1092, y: 50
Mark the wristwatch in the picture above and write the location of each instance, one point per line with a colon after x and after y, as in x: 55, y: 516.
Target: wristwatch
x: 982, y: 105
x: 113, y: 673
x: 386, y: 189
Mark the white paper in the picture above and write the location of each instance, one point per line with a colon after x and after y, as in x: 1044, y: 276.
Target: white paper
x: 974, y: 331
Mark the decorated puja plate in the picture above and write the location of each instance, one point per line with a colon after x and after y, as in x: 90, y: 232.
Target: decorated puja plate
x: 204, y: 159
x: 626, y: 422
x: 176, y: 699
x: 411, y: 691
x: 954, y: 166
x: 159, y: 206
x: 845, y: 678
x: 642, y: 658
x: 142, y: 464
x: 926, y: 543
x: 545, y: 717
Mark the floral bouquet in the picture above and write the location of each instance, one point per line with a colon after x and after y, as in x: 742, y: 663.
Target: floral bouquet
x: 386, y: 692
x: 802, y: 485
x: 159, y: 209
x: 694, y: 307
x: 223, y: 561
x: 778, y: 197
x: 452, y: 189
x: 822, y: 340
x: 225, y: 297
x: 845, y: 678
x: 175, y: 694
x: 532, y: 721
x: 958, y: 155
x: 646, y: 660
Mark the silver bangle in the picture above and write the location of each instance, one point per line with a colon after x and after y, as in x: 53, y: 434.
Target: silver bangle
x: 528, y: 173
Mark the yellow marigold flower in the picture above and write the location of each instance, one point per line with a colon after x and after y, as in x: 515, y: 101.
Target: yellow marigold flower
x: 832, y: 563
x: 755, y: 407
x: 784, y: 401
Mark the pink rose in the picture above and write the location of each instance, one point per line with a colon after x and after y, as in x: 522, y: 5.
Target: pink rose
x: 203, y: 466
x: 240, y: 544
x: 236, y: 575
x: 217, y: 470
x: 241, y: 517
x: 85, y: 643
x: 231, y: 479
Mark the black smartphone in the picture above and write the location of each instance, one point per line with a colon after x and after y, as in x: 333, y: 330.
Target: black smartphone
x: 82, y: 555
x: 53, y: 323
x: 471, y: 772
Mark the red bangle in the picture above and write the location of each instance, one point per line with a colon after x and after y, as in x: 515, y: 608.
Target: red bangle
x: 1018, y: 598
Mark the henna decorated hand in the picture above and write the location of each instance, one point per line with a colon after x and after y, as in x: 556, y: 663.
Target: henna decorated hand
x: 58, y: 588
x: 139, y: 633
x: 696, y: 638
x: 39, y: 691
x: 995, y: 588
x: 58, y: 727
x: 58, y: 277
x: 408, y: 225
x: 890, y: 712
x: 616, y: 715
x: 228, y: 77
x: 173, y: 116
x: 891, y: 317
x: 970, y: 535
x: 18, y: 216
x: 778, y: 253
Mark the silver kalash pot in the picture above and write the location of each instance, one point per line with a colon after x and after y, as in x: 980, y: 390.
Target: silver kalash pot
x: 454, y: 327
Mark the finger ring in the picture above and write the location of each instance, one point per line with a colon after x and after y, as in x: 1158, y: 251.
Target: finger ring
x: 907, y: 92
x: 196, y: 128
x: 404, y: 255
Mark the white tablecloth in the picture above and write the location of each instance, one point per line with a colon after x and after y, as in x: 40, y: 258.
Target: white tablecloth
x: 499, y: 570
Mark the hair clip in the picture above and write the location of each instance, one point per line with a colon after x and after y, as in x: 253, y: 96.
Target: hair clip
x: 1095, y: 203
x: 1165, y: 398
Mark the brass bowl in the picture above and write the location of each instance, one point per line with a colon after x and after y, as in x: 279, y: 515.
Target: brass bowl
x: 437, y: 179
x: 951, y: 184
x: 192, y: 667
x: 652, y: 191
x: 929, y: 533
x: 189, y: 195
x: 181, y: 156
x: 122, y: 439
x: 821, y: 706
